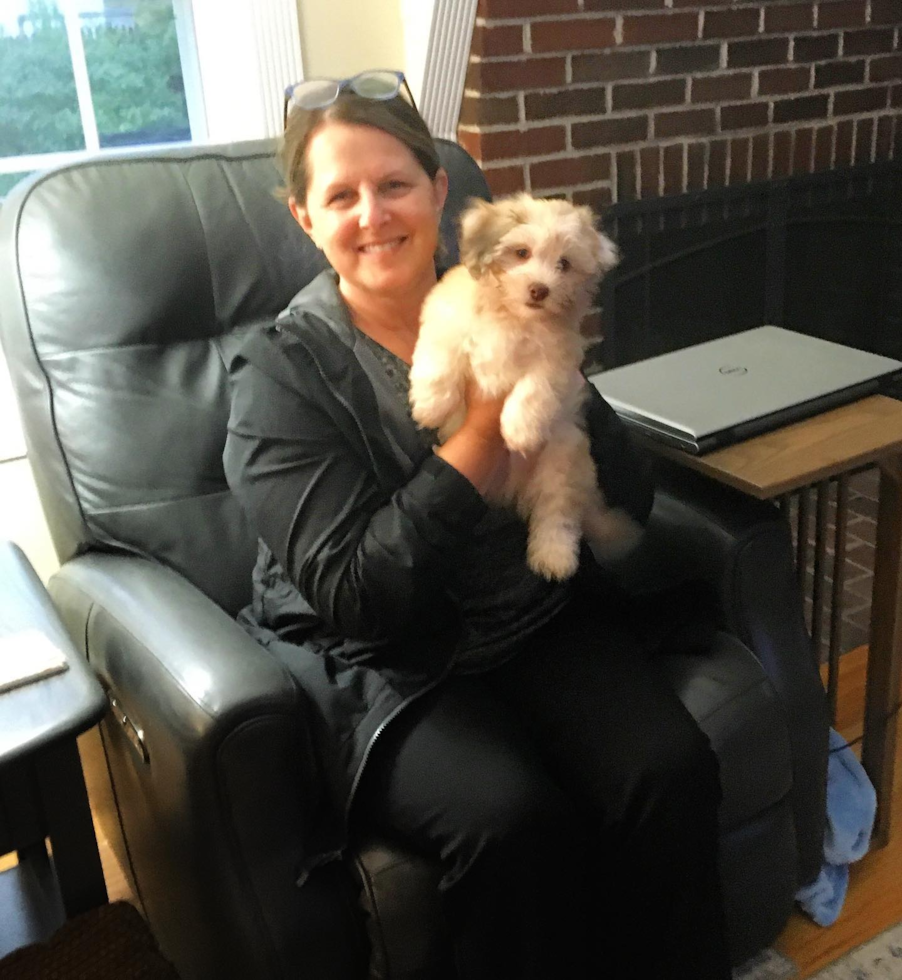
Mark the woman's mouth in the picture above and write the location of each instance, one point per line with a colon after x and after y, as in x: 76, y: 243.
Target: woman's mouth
x: 374, y: 248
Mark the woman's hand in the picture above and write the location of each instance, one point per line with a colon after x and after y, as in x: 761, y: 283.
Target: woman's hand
x: 477, y: 449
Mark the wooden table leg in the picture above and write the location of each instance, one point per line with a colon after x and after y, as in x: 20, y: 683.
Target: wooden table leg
x: 878, y: 751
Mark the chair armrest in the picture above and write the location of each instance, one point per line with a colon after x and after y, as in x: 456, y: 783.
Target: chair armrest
x: 742, y: 548
x: 216, y: 799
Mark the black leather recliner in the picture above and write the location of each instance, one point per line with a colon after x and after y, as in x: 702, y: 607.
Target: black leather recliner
x: 125, y: 284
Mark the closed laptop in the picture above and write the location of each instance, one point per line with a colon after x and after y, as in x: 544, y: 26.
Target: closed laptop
x: 712, y: 394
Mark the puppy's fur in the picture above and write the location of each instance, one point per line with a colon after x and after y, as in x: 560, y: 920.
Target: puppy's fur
x: 509, y: 317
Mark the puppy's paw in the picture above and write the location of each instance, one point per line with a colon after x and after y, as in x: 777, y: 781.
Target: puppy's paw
x: 520, y: 434
x: 432, y: 409
x: 553, y: 556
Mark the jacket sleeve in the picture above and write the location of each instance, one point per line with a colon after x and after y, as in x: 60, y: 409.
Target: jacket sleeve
x: 624, y: 469
x: 371, y: 561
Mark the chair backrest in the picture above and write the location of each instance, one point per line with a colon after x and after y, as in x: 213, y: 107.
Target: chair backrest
x: 125, y: 284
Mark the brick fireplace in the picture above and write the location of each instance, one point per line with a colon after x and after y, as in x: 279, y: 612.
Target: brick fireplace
x: 610, y: 101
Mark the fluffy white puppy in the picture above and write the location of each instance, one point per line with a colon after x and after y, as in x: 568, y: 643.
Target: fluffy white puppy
x: 509, y: 317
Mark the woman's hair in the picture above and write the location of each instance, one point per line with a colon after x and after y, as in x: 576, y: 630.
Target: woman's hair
x: 396, y: 117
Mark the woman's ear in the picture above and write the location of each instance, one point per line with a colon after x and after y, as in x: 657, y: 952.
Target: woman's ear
x: 300, y: 215
x: 440, y: 188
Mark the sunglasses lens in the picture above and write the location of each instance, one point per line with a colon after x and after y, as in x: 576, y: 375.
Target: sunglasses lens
x: 376, y: 84
x: 314, y: 94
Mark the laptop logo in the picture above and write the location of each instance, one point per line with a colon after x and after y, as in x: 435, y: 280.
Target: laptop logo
x: 733, y: 369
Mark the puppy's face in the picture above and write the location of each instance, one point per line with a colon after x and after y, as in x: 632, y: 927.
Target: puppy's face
x: 541, y: 257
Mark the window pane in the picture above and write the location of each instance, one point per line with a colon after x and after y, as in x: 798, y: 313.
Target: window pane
x: 9, y: 181
x: 38, y: 105
x: 132, y: 54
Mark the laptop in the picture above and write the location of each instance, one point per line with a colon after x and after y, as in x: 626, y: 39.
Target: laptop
x: 720, y: 392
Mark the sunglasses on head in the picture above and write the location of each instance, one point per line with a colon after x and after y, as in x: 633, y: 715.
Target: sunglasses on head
x: 316, y: 93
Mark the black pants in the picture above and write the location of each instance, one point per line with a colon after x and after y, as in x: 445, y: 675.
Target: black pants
x: 572, y: 801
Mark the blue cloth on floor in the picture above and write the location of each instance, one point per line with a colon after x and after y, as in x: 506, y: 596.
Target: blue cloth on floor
x: 851, y: 806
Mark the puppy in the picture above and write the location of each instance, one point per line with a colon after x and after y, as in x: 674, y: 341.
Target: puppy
x: 509, y: 318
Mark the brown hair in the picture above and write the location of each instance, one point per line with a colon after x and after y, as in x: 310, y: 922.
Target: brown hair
x: 396, y: 117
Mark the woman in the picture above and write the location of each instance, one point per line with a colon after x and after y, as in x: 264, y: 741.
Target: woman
x: 507, y: 726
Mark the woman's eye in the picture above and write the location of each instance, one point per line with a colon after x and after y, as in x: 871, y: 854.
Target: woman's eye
x: 522, y: 253
x: 564, y: 265
x: 396, y: 186
x: 340, y: 197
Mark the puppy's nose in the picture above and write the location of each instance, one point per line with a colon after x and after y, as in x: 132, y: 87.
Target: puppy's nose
x: 538, y: 291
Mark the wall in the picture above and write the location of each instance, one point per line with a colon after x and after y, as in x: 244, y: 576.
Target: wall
x: 611, y: 100
x: 342, y: 37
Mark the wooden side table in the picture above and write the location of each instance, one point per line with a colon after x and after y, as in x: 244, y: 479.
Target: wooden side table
x: 808, y: 453
x: 42, y: 789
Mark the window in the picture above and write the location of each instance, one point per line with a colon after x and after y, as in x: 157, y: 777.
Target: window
x: 84, y: 75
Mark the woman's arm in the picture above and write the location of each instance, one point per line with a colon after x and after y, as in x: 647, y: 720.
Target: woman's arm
x: 624, y: 469
x: 371, y: 560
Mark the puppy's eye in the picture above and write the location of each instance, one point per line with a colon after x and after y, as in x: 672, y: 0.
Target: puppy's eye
x: 564, y: 265
x: 521, y: 253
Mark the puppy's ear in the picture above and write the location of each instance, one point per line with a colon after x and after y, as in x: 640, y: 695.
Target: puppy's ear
x: 478, y: 236
x: 604, y: 251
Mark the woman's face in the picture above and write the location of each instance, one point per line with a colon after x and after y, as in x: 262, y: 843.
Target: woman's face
x: 372, y: 209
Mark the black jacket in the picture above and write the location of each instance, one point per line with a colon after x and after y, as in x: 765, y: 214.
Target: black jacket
x: 359, y: 525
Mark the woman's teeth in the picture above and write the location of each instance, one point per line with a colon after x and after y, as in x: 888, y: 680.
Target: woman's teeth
x: 382, y: 246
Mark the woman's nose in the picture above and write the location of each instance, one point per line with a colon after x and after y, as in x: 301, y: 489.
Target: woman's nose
x: 372, y: 212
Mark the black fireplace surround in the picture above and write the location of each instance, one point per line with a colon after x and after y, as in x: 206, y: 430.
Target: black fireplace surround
x: 820, y: 254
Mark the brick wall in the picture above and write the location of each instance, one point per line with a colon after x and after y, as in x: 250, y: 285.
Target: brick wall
x: 613, y: 100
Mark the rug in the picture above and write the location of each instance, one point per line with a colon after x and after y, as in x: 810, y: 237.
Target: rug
x: 108, y: 943
x: 878, y: 959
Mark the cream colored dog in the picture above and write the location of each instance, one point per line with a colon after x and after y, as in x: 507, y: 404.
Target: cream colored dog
x: 509, y: 317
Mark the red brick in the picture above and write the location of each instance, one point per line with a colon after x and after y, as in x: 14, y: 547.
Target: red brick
x: 489, y: 110
x: 470, y: 141
x: 741, y: 22
x: 823, y: 148
x: 525, y: 8
x: 586, y: 33
x: 695, y: 166
x: 781, y: 154
x: 618, y: 6
x: 833, y: 73
x: 791, y: 17
x: 886, y: 69
x: 740, y: 151
x: 883, y: 149
x: 781, y: 81
x: 815, y: 47
x: 650, y: 171
x: 610, y: 132
x: 760, y: 163
x: 490, y: 40
x: 597, y: 198
x: 851, y: 102
x: 567, y: 171
x: 867, y: 42
x: 627, y: 171
x: 803, y: 107
x: 745, y: 115
x: 505, y: 180
x: 612, y: 67
x: 672, y: 168
x: 702, y: 3
x: 717, y: 163
x: 843, y: 13
x: 884, y: 11
x: 895, y: 99
x: 864, y: 137
x: 511, y: 143
x: 687, y: 58
x: 802, y: 148
x: 692, y: 122
x: 512, y: 76
x: 721, y: 88
x: 649, y: 95
x: 760, y: 51
x: 566, y: 102
x: 844, y: 136
x: 660, y: 28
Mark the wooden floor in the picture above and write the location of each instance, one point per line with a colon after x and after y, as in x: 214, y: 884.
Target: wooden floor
x: 874, y: 900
